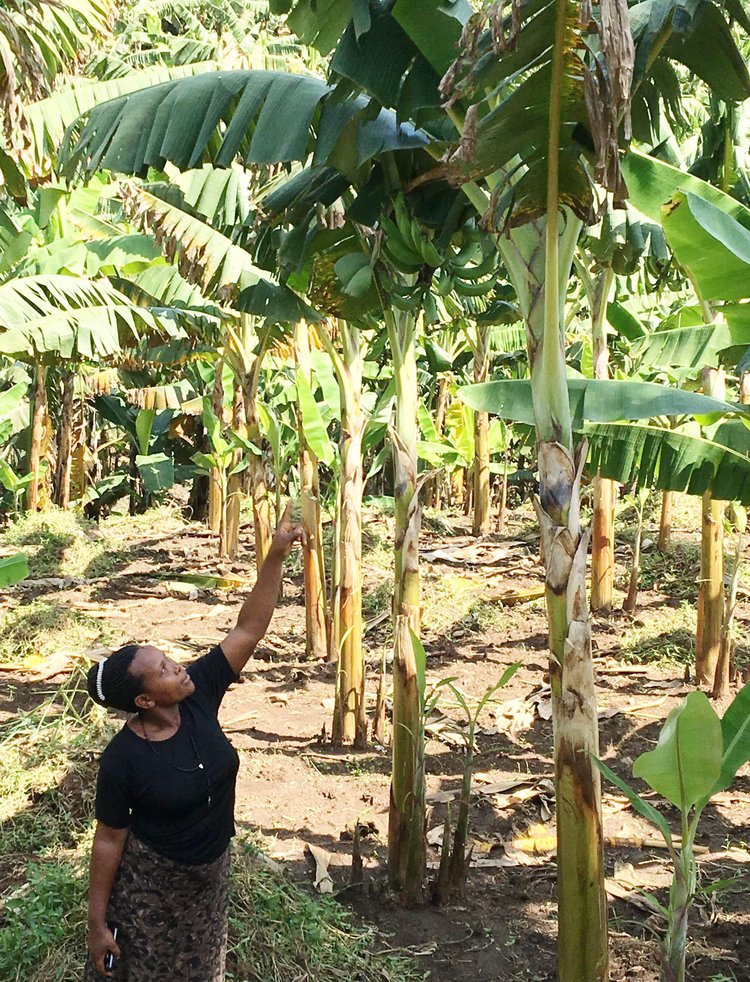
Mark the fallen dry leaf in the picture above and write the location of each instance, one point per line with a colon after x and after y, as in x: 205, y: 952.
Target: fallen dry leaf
x: 322, y: 882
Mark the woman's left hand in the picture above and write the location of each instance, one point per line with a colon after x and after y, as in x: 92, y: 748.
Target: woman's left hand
x: 287, y: 533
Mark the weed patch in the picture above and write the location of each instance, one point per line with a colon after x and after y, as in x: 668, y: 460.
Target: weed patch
x: 668, y: 639
x: 59, y: 543
x: 43, y: 627
x: 43, y: 924
x: 277, y: 932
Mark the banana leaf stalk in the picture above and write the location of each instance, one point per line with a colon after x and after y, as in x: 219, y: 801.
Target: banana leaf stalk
x: 631, y: 600
x: 234, y: 481
x: 249, y: 369
x: 406, y: 838
x: 433, y: 489
x: 724, y: 665
x: 316, y: 634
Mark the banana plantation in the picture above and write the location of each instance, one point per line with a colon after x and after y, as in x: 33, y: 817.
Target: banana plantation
x: 469, y: 283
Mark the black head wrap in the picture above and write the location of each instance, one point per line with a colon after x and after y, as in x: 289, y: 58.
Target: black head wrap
x: 112, y: 684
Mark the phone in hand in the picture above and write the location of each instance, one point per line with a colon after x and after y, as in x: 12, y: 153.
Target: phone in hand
x: 109, y: 959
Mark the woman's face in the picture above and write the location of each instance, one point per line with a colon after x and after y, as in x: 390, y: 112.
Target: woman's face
x: 164, y: 681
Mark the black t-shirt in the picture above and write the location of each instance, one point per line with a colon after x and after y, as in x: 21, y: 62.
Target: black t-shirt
x: 166, y: 808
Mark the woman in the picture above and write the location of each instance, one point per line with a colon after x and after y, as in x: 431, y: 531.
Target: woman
x: 165, y: 801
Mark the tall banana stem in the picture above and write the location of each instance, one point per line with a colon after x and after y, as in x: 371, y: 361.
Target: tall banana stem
x: 538, y: 257
x: 234, y: 482
x: 665, y: 522
x: 257, y: 468
x: 582, y: 914
x: 65, y: 441
x: 481, y: 524
x: 349, y: 721
x: 711, y: 591
x: 406, y: 844
x: 39, y: 423
x: 603, y: 540
x: 215, y: 499
x: 316, y: 634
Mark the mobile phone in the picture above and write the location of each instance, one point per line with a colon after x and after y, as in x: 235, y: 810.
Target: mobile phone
x: 109, y: 959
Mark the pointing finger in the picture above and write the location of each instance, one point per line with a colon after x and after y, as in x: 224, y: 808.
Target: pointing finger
x: 287, y: 516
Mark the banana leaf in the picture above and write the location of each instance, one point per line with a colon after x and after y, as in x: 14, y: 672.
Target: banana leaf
x: 697, y: 345
x: 651, y: 456
x: 260, y: 117
x: 594, y: 400
x: 13, y: 569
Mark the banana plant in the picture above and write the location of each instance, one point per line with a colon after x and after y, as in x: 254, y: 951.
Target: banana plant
x: 15, y: 483
x: 451, y: 878
x: 313, y: 446
x: 151, y: 469
x: 347, y: 358
x: 709, y: 233
x: 696, y: 756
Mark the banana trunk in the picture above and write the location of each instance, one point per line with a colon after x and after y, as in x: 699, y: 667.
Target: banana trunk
x: 316, y: 634
x: 406, y: 842
x: 711, y: 590
x: 605, y: 495
x: 38, y: 427
x: 538, y: 257
x: 481, y: 522
x: 65, y: 442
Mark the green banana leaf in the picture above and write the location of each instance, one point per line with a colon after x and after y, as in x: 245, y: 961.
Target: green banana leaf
x: 712, y: 246
x: 261, y: 117
x: 697, y: 345
x: 70, y: 317
x: 594, y: 400
x: 156, y: 470
x: 13, y: 569
x: 652, y: 182
x: 651, y: 456
x: 685, y: 765
x: 144, y: 423
x: 313, y: 427
x: 735, y: 729
x: 210, y: 259
x: 49, y: 118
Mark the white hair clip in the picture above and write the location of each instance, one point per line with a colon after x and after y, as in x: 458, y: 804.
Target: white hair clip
x: 99, y: 674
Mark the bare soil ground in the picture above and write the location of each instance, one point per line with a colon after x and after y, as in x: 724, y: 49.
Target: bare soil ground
x: 295, y: 789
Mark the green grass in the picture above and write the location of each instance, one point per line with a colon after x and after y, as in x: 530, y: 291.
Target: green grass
x: 675, y: 573
x: 61, y: 544
x: 667, y: 639
x: 44, y: 627
x: 43, y: 924
x: 279, y: 932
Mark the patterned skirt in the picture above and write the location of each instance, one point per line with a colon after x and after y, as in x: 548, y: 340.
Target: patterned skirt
x: 172, y: 918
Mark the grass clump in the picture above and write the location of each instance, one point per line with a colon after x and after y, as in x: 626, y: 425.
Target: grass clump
x: 667, y: 639
x: 61, y: 544
x: 278, y: 932
x: 44, y: 627
x: 43, y: 923
x: 677, y: 573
